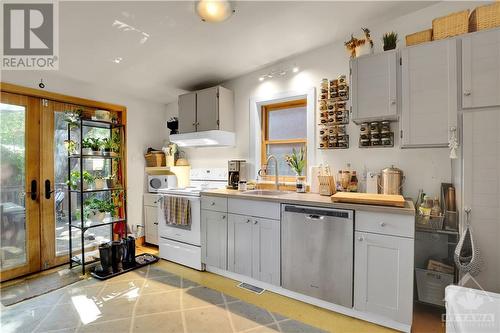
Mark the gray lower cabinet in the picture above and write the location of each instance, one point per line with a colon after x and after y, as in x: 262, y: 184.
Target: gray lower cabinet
x: 214, y: 238
x: 254, y: 247
x: 383, y: 275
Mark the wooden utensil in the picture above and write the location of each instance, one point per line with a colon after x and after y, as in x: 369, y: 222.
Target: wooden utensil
x: 369, y: 199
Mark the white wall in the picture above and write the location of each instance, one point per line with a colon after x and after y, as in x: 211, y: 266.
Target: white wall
x: 145, y: 127
x: 423, y: 168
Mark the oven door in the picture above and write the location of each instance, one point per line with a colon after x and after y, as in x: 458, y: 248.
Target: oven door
x: 190, y: 235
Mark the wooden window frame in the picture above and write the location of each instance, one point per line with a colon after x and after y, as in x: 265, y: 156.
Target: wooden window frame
x: 265, y: 110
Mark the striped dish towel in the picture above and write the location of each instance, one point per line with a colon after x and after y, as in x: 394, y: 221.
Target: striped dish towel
x: 177, y: 211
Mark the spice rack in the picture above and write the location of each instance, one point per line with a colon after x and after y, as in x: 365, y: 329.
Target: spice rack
x: 333, y: 113
x: 376, y: 134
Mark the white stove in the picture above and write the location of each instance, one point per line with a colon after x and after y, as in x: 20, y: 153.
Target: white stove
x: 180, y: 244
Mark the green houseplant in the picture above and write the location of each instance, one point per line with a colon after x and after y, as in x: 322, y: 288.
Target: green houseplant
x: 97, y: 209
x: 390, y: 40
x: 297, y: 162
x: 74, y: 180
x: 99, y: 180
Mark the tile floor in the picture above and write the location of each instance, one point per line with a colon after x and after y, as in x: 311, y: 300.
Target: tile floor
x: 150, y: 299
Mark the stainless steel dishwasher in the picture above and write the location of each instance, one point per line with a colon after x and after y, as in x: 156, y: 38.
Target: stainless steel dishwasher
x: 317, y: 252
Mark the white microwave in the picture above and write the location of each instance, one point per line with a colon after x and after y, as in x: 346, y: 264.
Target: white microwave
x: 156, y: 182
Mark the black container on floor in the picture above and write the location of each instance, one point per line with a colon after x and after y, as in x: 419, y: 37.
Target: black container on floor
x: 128, y: 251
x: 106, y: 258
x: 117, y: 254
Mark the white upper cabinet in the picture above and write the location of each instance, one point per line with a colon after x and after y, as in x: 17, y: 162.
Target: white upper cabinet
x: 206, y: 110
x: 374, y: 89
x: 481, y: 69
x: 429, y: 93
x: 187, y: 113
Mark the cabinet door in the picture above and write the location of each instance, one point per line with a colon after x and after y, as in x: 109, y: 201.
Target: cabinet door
x: 214, y: 238
x: 151, y: 224
x: 383, y: 276
x: 266, y: 263
x: 481, y: 69
x: 429, y: 93
x: 187, y: 113
x: 239, y: 240
x: 207, y: 109
x: 374, y: 87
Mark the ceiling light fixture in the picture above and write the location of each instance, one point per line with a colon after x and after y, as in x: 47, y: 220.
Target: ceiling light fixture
x: 214, y: 10
x: 117, y: 60
x: 281, y: 72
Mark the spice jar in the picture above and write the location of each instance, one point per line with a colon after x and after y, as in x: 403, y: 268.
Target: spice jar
x: 386, y: 141
x: 365, y: 128
x: 342, y: 79
x: 364, y: 142
x: 385, y: 126
x: 375, y: 142
x: 374, y: 127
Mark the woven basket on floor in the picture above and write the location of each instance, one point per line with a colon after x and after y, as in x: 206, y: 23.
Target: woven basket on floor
x: 419, y: 37
x: 155, y: 159
x: 450, y: 25
x: 485, y: 17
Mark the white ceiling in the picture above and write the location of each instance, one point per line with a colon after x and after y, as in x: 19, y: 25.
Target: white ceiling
x: 184, y: 53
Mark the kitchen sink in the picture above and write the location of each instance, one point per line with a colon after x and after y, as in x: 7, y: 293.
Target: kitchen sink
x: 265, y: 192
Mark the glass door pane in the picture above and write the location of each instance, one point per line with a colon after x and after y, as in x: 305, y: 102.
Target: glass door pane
x: 12, y: 186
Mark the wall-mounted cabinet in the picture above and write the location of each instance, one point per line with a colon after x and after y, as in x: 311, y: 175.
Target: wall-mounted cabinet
x: 206, y: 110
x: 374, y: 84
x: 481, y: 69
x: 429, y: 93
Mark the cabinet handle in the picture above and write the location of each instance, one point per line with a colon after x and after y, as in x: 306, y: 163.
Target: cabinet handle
x: 361, y: 239
x: 248, y: 221
x: 155, y: 223
x: 223, y: 217
x: 255, y: 222
x: 467, y: 93
x: 212, y: 203
x: 393, y: 102
x: 382, y: 224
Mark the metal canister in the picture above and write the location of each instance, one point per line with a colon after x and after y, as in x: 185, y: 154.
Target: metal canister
x: 391, y: 180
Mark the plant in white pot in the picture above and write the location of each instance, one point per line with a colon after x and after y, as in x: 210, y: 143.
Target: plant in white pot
x: 99, y: 180
x: 297, y: 162
x: 87, y: 146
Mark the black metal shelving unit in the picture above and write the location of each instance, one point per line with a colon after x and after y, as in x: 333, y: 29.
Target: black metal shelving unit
x: 80, y: 193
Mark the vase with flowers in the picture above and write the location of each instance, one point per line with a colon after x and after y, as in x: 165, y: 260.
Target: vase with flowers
x: 297, y: 162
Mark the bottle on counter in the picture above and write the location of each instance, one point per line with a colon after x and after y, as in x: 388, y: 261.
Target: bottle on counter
x: 436, y: 208
x: 426, y: 207
x: 353, y: 185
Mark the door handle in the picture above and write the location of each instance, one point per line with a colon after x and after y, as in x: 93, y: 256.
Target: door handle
x: 48, y: 191
x: 33, y: 190
x: 314, y: 217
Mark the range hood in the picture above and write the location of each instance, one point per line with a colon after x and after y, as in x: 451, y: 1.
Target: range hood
x: 213, y: 138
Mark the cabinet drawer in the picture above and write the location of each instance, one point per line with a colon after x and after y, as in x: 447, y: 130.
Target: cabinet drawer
x: 218, y: 204
x: 151, y: 200
x: 266, y: 209
x: 386, y: 224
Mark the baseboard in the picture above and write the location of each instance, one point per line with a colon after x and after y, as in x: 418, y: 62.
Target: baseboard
x: 372, y: 318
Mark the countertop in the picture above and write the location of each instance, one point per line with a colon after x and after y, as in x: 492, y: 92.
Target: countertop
x: 312, y: 199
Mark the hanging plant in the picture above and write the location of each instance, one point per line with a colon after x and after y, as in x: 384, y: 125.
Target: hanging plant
x: 390, y: 40
x: 72, y: 117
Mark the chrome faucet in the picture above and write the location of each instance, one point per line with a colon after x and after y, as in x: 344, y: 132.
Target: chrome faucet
x: 276, y: 168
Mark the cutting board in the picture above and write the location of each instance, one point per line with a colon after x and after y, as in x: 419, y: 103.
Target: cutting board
x: 369, y: 199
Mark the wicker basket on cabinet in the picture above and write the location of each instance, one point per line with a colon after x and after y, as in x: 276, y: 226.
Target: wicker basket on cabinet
x: 485, y: 17
x: 155, y: 159
x: 450, y: 25
x: 419, y: 37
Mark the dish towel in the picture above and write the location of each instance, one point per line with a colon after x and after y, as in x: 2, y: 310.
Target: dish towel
x: 177, y: 211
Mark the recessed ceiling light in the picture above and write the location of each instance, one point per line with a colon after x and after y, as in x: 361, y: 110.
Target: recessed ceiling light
x: 261, y: 78
x: 214, y: 10
x: 117, y: 60
x: 295, y: 69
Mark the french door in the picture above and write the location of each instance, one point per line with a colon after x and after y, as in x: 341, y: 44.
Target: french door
x: 20, y: 239
x: 34, y: 197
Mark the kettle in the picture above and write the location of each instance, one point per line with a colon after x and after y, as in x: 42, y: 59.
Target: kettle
x: 391, y: 180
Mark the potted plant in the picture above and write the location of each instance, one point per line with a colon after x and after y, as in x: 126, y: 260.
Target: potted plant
x: 95, y: 146
x: 296, y: 161
x: 70, y: 146
x: 390, y: 40
x: 109, y: 181
x: 87, y: 146
x: 72, y: 117
x: 99, y: 180
x: 107, y: 146
x: 74, y: 180
x: 98, y: 210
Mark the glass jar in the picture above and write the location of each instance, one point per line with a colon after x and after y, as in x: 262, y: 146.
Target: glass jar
x: 374, y: 127
x: 365, y: 142
x: 386, y: 141
x: 300, y: 184
x: 375, y: 142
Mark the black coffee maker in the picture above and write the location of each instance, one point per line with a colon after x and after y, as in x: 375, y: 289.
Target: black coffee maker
x: 236, y: 171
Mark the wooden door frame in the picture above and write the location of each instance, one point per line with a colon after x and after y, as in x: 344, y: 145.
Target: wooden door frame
x: 45, y: 153
x: 32, y: 207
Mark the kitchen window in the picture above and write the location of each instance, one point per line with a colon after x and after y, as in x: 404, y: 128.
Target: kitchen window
x: 284, y: 128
